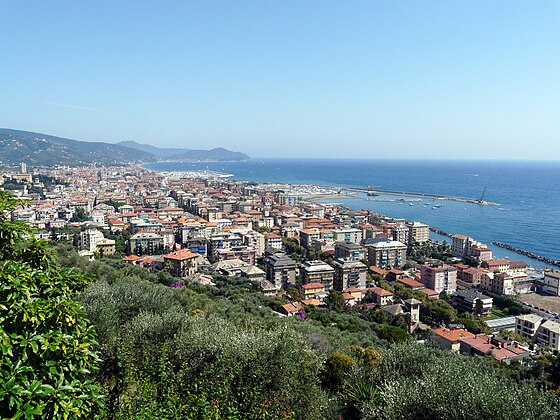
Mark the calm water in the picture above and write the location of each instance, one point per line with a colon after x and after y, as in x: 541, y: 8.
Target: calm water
x: 528, y: 193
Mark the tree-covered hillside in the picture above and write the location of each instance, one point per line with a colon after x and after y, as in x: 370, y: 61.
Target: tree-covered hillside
x: 41, y: 149
x: 171, y: 349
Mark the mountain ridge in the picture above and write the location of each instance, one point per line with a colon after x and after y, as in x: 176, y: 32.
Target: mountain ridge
x: 173, y: 153
x: 44, y: 149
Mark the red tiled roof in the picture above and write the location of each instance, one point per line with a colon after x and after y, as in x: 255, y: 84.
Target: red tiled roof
x: 181, y: 255
x: 380, y: 291
x: 312, y: 302
x: 293, y: 307
x: 452, y: 335
x: 407, y: 281
x: 378, y: 270
x: 315, y: 285
x: 429, y: 292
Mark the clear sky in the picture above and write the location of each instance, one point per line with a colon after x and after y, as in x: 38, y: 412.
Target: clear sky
x: 302, y: 78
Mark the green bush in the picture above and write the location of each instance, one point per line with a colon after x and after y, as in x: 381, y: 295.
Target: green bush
x: 47, y: 356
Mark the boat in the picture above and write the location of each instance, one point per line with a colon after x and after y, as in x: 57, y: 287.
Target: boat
x: 410, y: 204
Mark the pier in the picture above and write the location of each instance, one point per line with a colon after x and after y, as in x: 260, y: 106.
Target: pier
x: 396, y: 200
x: 426, y: 195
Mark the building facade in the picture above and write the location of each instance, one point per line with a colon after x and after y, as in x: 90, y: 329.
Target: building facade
x: 349, y: 273
x: 317, y: 271
x: 439, y: 277
x: 280, y: 270
x: 386, y: 254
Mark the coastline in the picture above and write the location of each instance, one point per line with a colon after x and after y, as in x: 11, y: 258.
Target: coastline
x: 328, y: 196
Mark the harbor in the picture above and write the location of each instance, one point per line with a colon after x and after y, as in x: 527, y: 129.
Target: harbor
x: 373, y: 191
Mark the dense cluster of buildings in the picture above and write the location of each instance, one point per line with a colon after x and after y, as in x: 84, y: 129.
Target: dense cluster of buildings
x: 271, y: 235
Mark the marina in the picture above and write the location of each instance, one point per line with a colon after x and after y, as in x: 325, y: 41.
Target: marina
x: 377, y: 191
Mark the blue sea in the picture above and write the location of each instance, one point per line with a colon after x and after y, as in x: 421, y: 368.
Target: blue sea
x: 528, y: 193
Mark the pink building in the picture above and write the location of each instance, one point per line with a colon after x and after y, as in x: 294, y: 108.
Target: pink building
x: 439, y: 277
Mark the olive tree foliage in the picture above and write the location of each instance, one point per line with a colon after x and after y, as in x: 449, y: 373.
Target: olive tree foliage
x: 47, y: 347
x: 416, y: 382
x: 171, y: 353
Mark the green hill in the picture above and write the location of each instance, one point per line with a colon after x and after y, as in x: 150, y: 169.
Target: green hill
x: 178, y: 154
x: 41, y: 149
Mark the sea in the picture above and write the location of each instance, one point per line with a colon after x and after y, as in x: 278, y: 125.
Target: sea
x: 527, y: 193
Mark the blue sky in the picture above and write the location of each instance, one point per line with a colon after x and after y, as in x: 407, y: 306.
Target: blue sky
x: 427, y: 79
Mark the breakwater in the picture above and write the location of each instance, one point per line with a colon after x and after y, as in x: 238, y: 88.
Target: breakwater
x: 440, y: 232
x: 426, y: 195
x: 527, y: 254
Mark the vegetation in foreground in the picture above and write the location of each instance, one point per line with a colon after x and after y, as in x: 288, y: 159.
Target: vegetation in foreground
x: 167, y: 349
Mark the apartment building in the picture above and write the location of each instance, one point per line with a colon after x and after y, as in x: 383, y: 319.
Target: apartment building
x: 527, y: 325
x: 87, y: 240
x: 401, y: 233
x: 317, y: 271
x: 545, y: 333
x: 439, y: 277
x: 418, y: 232
x: 280, y: 270
x: 349, y: 250
x: 181, y: 263
x: 548, y: 335
x: 464, y: 247
x: 223, y: 242
x: 145, y: 243
x: 273, y: 241
x: 472, y: 301
x: 551, y: 282
x: 347, y: 235
x: 308, y: 236
x: 500, y: 266
x: 386, y: 254
x: 349, y: 273
x: 507, y: 283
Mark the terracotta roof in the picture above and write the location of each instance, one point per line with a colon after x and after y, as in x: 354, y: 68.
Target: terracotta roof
x: 354, y: 290
x: 293, y: 307
x: 132, y: 258
x: 429, y: 292
x: 407, y: 281
x: 315, y: 285
x: 380, y: 291
x: 491, y: 263
x: 181, y: 255
x: 272, y: 236
x: 312, y: 302
x: 378, y: 270
x: 452, y: 335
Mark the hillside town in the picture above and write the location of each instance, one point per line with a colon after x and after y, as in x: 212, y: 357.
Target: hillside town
x: 293, y: 246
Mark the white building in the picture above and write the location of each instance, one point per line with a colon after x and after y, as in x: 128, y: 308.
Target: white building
x: 527, y: 325
x: 418, y: 232
x: 551, y: 282
x: 548, y: 334
x: 88, y: 239
x: 545, y: 333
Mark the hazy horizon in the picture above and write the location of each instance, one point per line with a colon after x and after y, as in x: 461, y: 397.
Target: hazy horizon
x: 414, y: 80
